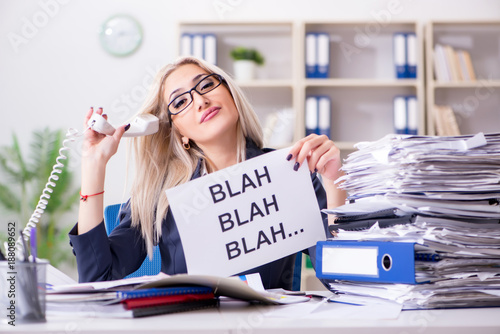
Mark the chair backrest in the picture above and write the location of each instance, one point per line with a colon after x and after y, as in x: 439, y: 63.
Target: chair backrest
x: 148, y: 267
x: 297, y: 272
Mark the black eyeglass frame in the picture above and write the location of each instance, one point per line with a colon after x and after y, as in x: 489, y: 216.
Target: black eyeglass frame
x: 190, y: 92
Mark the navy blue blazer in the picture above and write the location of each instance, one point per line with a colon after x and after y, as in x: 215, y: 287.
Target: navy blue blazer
x: 101, y: 257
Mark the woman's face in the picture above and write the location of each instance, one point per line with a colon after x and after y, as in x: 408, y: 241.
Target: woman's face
x: 210, y: 117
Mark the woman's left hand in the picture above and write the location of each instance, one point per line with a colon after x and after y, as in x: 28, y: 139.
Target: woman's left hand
x: 321, y: 153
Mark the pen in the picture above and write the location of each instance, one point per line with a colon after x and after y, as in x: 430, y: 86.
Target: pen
x: 33, y: 243
x: 25, y: 247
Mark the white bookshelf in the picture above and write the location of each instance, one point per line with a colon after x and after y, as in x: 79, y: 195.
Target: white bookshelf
x: 362, y: 81
x: 361, y: 89
x: 475, y: 103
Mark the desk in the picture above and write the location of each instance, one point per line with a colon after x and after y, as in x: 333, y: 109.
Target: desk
x: 242, y: 318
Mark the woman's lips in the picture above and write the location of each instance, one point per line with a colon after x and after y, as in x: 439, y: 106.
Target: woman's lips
x: 209, y: 113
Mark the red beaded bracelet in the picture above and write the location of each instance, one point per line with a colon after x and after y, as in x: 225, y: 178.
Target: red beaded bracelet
x: 84, y: 197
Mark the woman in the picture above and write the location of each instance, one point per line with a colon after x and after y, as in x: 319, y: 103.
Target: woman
x: 206, y: 124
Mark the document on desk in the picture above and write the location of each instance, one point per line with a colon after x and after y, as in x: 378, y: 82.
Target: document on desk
x: 246, y: 215
x: 339, y: 307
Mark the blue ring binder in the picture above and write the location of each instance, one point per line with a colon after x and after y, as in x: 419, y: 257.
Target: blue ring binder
x: 374, y: 261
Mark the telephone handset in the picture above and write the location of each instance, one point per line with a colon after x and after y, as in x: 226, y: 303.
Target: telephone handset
x: 142, y: 125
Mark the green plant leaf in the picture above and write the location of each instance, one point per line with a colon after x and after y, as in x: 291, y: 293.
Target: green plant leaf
x: 13, y: 165
x: 9, y: 200
x: 243, y: 53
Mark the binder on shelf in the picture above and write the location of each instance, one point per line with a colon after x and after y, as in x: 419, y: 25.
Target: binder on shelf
x: 405, y: 110
x: 399, y: 51
x: 197, y: 50
x: 202, y: 46
x: 311, y: 52
x: 186, y: 46
x: 411, y: 55
x: 400, y: 115
x: 412, y: 115
x: 405, y: 55
x: 317, y: 55
x: 324, y: 115
x: 318, y: 115
x: 323, y: 55
x: 369, y: 261
x: 312, y: 114
x: 210, y: 48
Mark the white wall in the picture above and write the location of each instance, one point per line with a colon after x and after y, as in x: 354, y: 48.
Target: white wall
x: 59, y: 70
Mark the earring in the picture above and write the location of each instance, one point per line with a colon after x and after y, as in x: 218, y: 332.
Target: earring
x: 185, y: 143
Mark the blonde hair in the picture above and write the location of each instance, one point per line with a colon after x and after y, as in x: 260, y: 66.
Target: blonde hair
x: 161, y: 162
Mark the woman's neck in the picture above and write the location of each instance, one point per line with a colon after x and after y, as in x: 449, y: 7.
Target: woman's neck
x: 221, y: 156
x: 222, y: 153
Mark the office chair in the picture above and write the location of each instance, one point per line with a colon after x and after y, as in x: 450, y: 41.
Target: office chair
x: 148, y: 267
x: 297, y: 272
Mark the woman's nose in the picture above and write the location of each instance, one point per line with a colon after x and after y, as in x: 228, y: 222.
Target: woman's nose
x: 199, y: 100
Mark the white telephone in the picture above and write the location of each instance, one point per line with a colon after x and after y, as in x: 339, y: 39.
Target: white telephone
x: 142, y: 125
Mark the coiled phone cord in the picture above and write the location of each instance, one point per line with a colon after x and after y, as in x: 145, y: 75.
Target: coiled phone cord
x: 71, y: 136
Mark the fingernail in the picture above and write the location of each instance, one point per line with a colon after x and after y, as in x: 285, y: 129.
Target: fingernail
x: 127, y: 127
x: 315, y: 170
x: 296, y: 166
x: 289, y: 157
x: 91, y: 107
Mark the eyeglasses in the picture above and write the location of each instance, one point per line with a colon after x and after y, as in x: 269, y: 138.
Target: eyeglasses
x: 184, y: 100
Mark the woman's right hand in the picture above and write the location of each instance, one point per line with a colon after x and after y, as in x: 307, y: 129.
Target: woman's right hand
x: 98, y: 147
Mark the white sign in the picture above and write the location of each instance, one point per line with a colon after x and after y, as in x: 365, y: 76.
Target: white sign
x: 246, y: 215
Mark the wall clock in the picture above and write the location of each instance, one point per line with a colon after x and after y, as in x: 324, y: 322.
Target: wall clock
x: 121, y: 35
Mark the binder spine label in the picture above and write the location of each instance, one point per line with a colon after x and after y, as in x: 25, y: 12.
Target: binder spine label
x: 324, y: 109
x: 311, y: 56
x: 399, y: 45
x: 366, y: 261
x: 400, y: 115
x: 311, y: 115
x: 323, y: 55
x: 411, y: 55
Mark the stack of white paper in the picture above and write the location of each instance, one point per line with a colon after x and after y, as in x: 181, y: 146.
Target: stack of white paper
x: 453, y: 177
x: 451, y: 187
